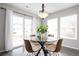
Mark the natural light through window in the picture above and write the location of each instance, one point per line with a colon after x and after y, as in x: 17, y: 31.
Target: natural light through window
x: 52, y: 27
x: 68, y: 27
x: 21, y: 29
x: 28, y: 26
x: 17, y: 30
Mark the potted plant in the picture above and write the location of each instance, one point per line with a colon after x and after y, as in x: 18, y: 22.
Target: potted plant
x: 42, y: 29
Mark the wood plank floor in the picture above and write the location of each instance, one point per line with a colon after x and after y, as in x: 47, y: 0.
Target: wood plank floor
x: 19, y: 52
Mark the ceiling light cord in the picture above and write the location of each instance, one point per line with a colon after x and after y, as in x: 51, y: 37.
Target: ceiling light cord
x: 42, y: 7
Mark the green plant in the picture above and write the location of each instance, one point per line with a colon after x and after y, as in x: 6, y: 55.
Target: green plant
x: 42, y: 28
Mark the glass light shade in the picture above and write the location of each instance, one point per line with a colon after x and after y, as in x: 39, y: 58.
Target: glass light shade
x: 43, y: 14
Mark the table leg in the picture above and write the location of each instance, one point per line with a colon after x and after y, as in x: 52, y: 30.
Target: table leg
x: 45, y: 52
x: 38, y: 52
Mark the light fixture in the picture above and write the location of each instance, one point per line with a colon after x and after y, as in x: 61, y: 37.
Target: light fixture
x: 42, y: 14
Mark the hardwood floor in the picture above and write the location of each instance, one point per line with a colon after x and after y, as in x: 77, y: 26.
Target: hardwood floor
x: 19, y: 52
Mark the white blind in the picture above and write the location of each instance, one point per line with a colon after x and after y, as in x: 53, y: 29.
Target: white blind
x: 68, y: 27
x: 53, y: 28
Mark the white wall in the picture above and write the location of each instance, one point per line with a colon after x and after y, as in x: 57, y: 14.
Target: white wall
x: 2, y: 29
x: 68, y: 42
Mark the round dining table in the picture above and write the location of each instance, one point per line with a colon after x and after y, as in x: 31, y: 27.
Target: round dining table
x: 42, y: 44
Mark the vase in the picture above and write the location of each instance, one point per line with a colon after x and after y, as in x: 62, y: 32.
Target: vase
x: 43, y: 36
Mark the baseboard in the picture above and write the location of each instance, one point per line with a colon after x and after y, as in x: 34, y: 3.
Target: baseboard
x: 71, y: 47
x: 2, y: 51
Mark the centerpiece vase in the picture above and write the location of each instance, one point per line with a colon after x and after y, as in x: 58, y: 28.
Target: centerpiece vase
x: 43, y: 37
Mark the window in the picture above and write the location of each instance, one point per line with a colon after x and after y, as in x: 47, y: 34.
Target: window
x: 17, y: 30
x: 27, y: 27
x: 68, y: 27
x: 53, y: 27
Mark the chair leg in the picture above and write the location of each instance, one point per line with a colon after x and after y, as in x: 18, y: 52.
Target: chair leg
x: 27, y: 54
x: 32, y: 54
x: 56, y: 54
x: 49, y: 53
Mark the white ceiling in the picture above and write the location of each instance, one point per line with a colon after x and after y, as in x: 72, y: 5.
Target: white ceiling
x: 35, y: 7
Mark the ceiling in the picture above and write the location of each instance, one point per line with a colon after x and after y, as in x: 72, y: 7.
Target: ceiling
x: 35, y: 7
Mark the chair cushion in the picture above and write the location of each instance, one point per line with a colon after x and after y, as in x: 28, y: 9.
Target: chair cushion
x: 35, y: 45
x: 51, y: 47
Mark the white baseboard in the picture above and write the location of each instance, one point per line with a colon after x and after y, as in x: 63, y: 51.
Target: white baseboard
x: 71, y: 47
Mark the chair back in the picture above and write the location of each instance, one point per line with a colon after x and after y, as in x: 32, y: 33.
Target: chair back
x: 28, y: 46
x: 58, y: 45
x: 33, y: 35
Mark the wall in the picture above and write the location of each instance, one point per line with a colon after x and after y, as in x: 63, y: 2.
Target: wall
x: 2, y: 29
x: 73, y: 10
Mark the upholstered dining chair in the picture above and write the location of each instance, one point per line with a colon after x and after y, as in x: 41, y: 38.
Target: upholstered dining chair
x: 29, y: 48
x: 33, y: 35
x: 55, y: 48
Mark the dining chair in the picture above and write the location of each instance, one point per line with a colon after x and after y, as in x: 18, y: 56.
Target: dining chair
x: 33, y: 35
x: 29, y: 48
x: 55, y: 48
x: 50, y: 35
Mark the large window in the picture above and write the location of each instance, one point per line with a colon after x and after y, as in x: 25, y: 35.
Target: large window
x: 68, y: 27
x: 53, y: 27
x: 17, y: 30
x: 27, y: 28
x: 21, y: 29
x: 65, y: 28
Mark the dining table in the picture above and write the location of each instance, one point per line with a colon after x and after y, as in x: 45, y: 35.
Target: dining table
x: 42, y: 44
